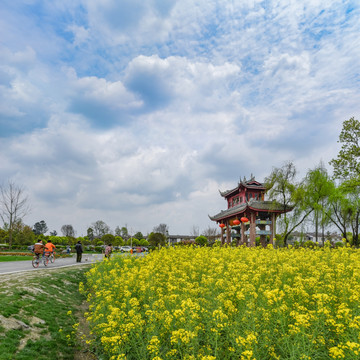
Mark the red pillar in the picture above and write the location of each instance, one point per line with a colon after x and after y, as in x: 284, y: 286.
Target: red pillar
x: 228, y: 233
x: 243, y: 236
x: 252, y: 229
x: 272, y: 228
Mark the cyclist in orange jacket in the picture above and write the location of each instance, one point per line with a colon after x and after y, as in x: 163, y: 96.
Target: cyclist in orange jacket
x: 49, y: 248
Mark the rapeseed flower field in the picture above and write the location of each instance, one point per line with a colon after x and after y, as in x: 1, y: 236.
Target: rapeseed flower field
x: 227, y: 303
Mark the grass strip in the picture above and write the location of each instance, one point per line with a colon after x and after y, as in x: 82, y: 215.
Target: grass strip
x: 14, y: 258
x: 38, y: 314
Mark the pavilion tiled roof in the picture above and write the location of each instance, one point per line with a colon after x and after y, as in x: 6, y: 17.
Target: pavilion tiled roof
x: 271, y: 206
x: 249, y: 184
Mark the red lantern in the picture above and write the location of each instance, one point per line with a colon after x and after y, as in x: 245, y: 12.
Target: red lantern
x: 244, y: 219
x: 222, y: 225
x: 236, y: 222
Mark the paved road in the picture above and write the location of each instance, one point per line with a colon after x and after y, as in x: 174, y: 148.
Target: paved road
x: 9, y: 267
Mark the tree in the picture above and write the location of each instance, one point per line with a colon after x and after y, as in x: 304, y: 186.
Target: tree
x: 162, y: 229
x: 143, y: 242
x: 344, y: 210
x: 108, y: 239
x: 124, y: 233
x: 318, y: 190
x: 195, y: 231
x: 100, y: 228
x: 40, y: 228
x: 68, y: 231
x: 90, y: 234
x: 347, y: 170
x: 53, y: 233
x: 283, y: 188
x: 117, y: 231
x: 352, y: 191
x: 139, y: 235
x: 211, y: 233
x: 347, y: 163
x: 119, y: 241
x: 26, y: 236
x: 156, y: 239
x: 13, y: 206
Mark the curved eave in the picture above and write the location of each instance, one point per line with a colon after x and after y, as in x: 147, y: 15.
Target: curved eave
x: 253, y: 205
x: 228, y: 192
x: 229, y: 212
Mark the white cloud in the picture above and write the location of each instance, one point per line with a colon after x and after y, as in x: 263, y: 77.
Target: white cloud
x: 129, y: 20
x: 81, y: 35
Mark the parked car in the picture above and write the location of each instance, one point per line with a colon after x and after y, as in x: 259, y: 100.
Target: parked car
x: 140, y: 249
x: 125, y: 248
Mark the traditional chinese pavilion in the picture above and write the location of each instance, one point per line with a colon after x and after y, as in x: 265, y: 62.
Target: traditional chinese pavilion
x: 248, y: 214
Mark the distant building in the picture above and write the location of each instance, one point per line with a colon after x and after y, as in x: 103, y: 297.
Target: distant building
x: 248, y: 215
x: 300, y: 237
x: 176, y: 239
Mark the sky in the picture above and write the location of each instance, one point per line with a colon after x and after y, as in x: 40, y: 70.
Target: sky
x: 138, y: 112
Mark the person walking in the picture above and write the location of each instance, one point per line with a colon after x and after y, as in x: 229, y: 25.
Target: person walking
x: 108, y: 251
x: 79, y: 251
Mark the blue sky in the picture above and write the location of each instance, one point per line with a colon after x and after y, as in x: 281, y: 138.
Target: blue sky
x: 138, y: 112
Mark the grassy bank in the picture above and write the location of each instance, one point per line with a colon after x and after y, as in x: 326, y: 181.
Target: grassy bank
x: 39, y: 314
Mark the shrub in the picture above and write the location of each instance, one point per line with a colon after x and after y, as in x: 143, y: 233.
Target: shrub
x: 309, y: 244
x: 201, y: 240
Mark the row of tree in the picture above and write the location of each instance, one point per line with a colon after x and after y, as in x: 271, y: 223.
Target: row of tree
x: 97, y: 234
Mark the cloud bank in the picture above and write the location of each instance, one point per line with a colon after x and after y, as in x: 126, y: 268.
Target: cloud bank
x: 137, y: 112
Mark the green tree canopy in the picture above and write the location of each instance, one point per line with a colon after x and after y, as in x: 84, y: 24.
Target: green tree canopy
x: 40, y: 228
x: 139, y: 235
x: 156, y: 239
x: 347, y: 163
x: 319, y: 188
x: 283, y: 188
x: 119, y: 241
x: 108, y: 239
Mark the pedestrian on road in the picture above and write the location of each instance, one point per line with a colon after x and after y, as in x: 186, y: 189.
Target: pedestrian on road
x: 79, y: 251
x: 108, y: 251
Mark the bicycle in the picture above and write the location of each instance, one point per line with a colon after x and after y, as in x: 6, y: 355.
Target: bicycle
x: 50, y: 256
x: 36, y: 260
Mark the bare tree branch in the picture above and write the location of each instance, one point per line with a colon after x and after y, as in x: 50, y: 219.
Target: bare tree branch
x: 13, y: 206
